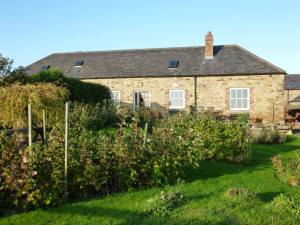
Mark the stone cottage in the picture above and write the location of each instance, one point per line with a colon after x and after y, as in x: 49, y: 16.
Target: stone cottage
x: 223, y: 78
x: 292, y: 93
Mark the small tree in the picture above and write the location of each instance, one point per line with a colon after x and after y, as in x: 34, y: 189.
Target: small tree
x: 8, y: 75
x: 5, y: 66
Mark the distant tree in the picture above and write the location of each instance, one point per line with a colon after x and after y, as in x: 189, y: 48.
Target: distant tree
x: 8, y: 75
x: 5, y: 66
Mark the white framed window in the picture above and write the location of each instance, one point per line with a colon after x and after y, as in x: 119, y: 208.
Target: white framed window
x: 176, y: 99
x: 116, y: 97
x: 141, y: 99
x: 239, y: 99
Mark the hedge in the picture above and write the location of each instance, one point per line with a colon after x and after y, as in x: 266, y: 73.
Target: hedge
x: 80, y: 91
x: 15, y: 98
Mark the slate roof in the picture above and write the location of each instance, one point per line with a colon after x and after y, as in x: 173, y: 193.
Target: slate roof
x: 292, y: 82
x: 228, y: 60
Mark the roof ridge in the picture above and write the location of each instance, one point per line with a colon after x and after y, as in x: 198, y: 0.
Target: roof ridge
x: 135, y: 50
x: 260, y: 59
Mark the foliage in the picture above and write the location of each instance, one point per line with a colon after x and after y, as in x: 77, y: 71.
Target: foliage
x: 288, y: 170
x: 132, y: 157
x: 164, y: 203
x: 268, y: 136
x: 5, y: 66
x: 80, y: 91
x: 18, y: 75
x: 240, y: 196
x: 149, y: 116
x: 203, y: 134
x: 204, y: 189
x: 15, y: 98
x: 14, y: 102
x: 284, y: 207
x: 94, y: 117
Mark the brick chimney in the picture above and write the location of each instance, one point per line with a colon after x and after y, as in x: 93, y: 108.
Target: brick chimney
x: 209, y: 46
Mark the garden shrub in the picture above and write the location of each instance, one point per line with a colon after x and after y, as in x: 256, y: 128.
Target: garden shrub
x: 80, y: 91
x: 203, y: 136
x: 240, y: 196
x: 164, y: 203
x: 149, y: 116
x: 288, y: 170
x: 268, y: 136
x: 94, y: 117
x: 15, y: 98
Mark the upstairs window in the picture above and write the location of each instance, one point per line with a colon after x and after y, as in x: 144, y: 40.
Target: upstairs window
x: 141, y: 99
x: 116, y: 97
x: 173, y: 63
x: 239, y: 98
x: 176, y: 99
x: 45, y: 67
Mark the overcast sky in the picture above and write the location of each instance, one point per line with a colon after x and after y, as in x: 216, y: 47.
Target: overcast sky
x: 33, y: 29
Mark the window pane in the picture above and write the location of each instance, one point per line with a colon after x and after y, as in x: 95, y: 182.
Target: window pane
x: 172, y: 102
x: 233, y: 93
x: 245, y: 93
x: 180, y: 94
x: 245, y: 103
x: 172, y: 94
x: 239, y: 93
x: 232, y: 103
x: 239, y: 103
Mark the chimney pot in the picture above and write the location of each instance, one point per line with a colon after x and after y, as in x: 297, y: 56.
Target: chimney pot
x: 209, y: 46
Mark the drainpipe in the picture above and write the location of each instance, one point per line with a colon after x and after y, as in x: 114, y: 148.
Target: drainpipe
x: 195, y: 92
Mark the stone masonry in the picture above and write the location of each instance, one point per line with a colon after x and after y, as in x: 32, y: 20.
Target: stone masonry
x: 267, y: 99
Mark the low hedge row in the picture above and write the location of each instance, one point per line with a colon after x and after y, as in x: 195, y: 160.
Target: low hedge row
x: 129, y: 158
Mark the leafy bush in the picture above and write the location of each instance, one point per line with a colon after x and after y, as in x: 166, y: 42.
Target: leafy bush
x: 204, y: 136
x: 267, y: 136
x: 288, y: 170
x: 94, y: 117
x: 15, y: 98
x: 163, y: 204
x: 240, y: 196
x: 80, y: 91
x: 286, y: 209
x: 32, y: 177
x: 149, y: 116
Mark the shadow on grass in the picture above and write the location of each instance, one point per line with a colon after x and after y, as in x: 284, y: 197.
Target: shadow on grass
x: 121, y: 216
x: 268, y: 196
x: 261, y: 159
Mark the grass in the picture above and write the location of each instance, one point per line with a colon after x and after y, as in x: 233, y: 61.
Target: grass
x: 205, y: 188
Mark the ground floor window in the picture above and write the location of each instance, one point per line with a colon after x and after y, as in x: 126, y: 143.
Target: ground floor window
x: 116, y: 97
x: 141, y: 99
x: 176, y: 99
x: 239, y: 98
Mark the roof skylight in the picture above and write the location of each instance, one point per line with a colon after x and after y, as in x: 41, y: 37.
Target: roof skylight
x: 173, y: 63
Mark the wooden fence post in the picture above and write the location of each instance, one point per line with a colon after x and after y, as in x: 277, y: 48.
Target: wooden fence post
x: 29, y: 126
x: 44, y: 127
x: 66, y: 150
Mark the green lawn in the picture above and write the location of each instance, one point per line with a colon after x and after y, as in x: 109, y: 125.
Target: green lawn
x: 204, y: 187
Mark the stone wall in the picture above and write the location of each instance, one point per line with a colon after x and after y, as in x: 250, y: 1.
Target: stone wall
x: 266, y: 95
x: 291, y: 95
x: 266, y: 92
